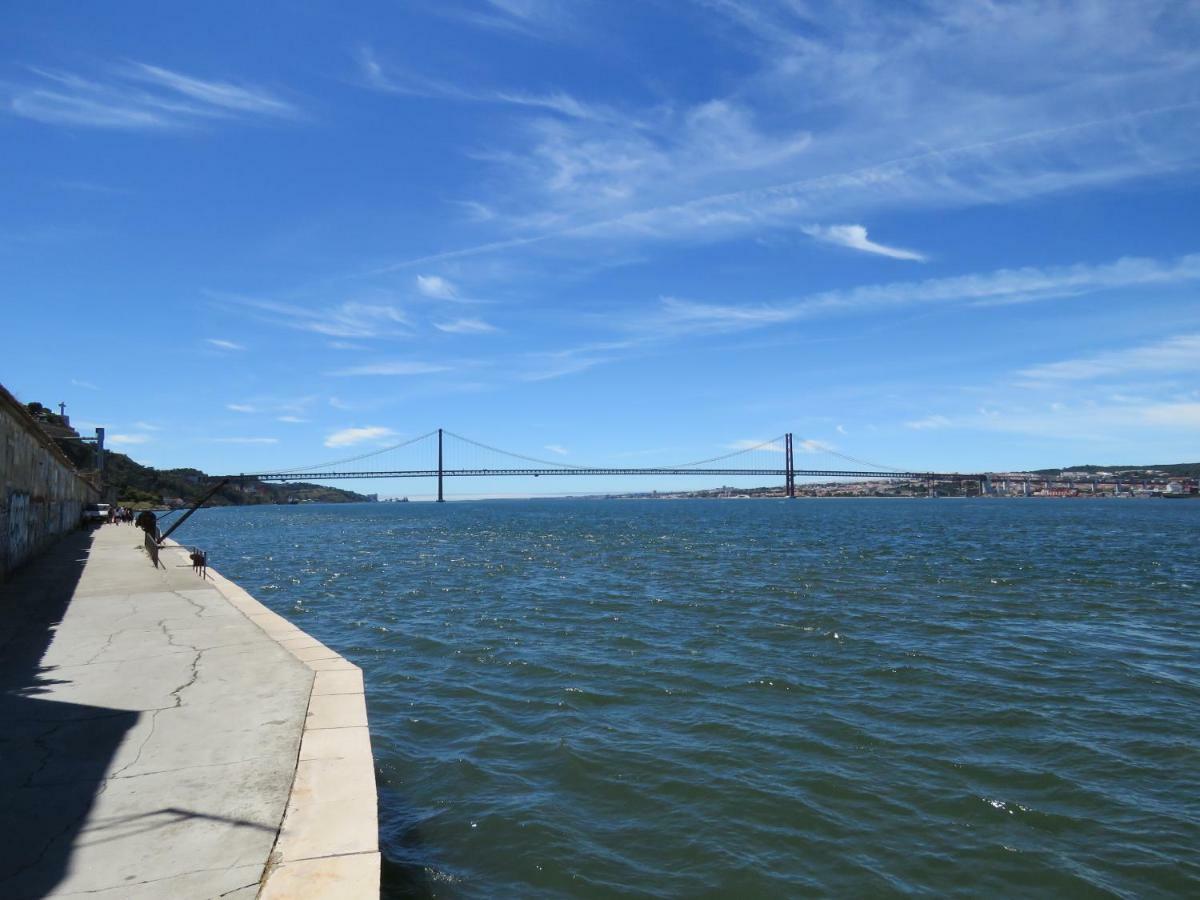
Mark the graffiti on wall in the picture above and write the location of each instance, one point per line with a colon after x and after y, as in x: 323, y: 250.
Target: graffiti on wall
x: 41, y: 495
x: 19, y: 526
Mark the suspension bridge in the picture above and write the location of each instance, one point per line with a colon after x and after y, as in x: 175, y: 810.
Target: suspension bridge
x: 442, y: 454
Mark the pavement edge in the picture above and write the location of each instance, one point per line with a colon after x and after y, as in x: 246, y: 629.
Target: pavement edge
x: 328, y: 843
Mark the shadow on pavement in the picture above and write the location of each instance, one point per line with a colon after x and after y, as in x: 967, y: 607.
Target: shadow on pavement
x: 53, y: 755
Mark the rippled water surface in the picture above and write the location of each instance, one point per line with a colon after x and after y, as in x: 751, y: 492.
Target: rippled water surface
x: 760, y: 698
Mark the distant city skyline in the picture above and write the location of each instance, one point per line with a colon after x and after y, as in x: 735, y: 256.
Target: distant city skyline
x: 941, y: 236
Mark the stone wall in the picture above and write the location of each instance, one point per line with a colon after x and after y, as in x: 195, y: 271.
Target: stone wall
x: 41, y: 494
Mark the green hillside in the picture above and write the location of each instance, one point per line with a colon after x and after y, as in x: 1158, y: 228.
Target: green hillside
x: 138, y: 484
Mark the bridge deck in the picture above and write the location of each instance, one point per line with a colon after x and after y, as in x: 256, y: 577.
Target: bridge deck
x: 484, y: 473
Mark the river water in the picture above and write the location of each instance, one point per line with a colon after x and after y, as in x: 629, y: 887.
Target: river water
x: 596, y: 698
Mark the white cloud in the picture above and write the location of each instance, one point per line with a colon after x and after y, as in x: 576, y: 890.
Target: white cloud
x: 706, y: 316
x: 1175, y: 354
x: 138, y: 97
x: 241, y: 407
x: 1179, y: 415
x: 222, y: 344
x: 245, y: 440
x: 347, y: 437
x: 355, y: 320
x: 1000, y: 286
x: 940, y: 106
x: 841, y: 429
x: 929, y: 422
x: 546, y: 365
x: 87, y: 385
x: 810, y: 445
x: 465, y: 326
x: 351, y: 319
x: 855, y: 237
x: 437, y: 287
x: 558, y: 448
x: 1084, y: 419
x: 529, y: 19
x: 476, y: 211
x: 387, y: 78
x: 214, y: 94
x: 1162, y: 412
x: 123, y: 439
x: 146, y: 426
x: 559, y: 102
x: 294, y: 420
x: 396, y: 367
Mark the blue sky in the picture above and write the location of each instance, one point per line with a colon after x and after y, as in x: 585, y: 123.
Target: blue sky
x: 937, y: 235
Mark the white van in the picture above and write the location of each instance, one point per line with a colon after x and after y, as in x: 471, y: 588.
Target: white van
x: 95, y: 513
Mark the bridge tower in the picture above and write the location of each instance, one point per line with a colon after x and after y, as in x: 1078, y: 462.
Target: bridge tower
x: 441, y: 470
x: 790, y: 477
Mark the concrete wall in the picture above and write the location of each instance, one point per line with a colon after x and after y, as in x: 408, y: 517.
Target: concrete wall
x: 41, y: 494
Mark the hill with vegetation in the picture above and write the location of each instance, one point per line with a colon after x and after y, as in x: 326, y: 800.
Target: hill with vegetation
x: 136, y: 484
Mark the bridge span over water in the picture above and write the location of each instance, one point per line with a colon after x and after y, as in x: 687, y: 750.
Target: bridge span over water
x: 442, y: 454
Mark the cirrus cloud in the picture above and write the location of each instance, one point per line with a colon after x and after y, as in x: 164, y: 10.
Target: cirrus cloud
x: 1175, y: 354
x: 222, y: 344
x: 347, y: 437
x: 138, y: 97
x: 466, y: 326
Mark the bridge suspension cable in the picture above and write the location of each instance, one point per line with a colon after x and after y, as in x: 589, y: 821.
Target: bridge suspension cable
x: 772, y: 444
x: 862, y: 462
x: 544, y: 462
x: 348, y: 459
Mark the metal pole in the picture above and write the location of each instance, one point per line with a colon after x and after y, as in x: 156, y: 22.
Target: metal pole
x: 199, y: 503
x: 441, y: 496
x: 100, y: 456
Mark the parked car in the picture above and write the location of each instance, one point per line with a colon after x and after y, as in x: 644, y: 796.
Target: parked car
x: 95, y: 513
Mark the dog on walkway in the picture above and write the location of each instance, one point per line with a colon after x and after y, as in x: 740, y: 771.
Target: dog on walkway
x: 199, y: 562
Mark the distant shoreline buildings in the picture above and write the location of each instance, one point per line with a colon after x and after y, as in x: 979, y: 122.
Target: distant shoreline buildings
x: 1100, y: 484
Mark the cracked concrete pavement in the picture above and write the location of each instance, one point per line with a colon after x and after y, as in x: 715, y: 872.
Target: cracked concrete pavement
x: 150, y: 729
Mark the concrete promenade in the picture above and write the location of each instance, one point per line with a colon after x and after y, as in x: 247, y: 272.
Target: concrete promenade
x: 164, y: 736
